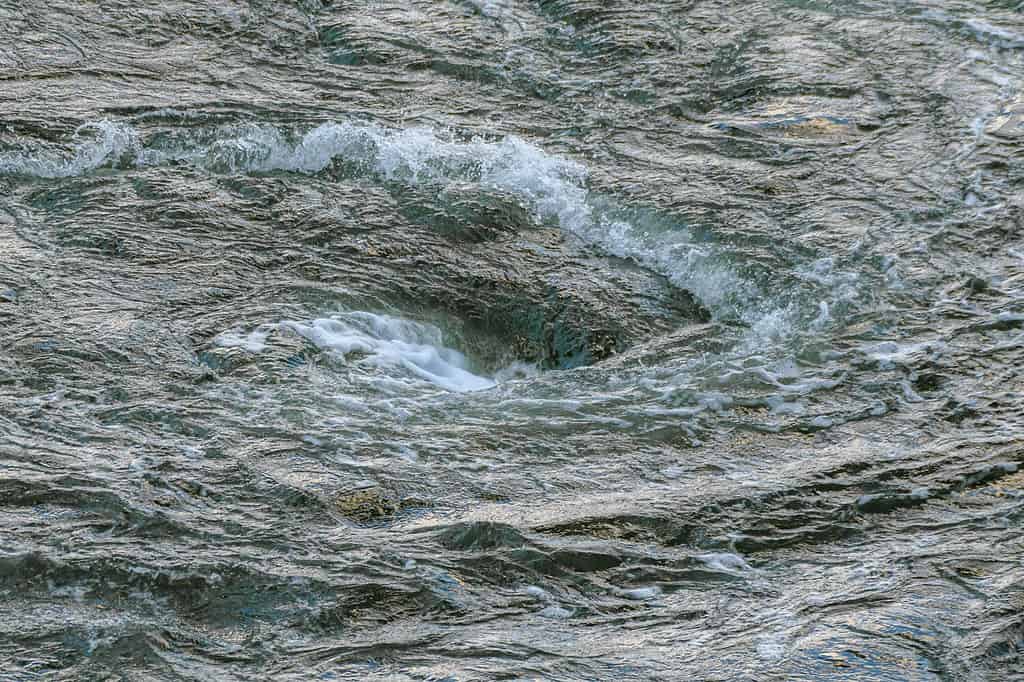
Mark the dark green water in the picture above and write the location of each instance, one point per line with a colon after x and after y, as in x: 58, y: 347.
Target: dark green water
x: 511, y: 339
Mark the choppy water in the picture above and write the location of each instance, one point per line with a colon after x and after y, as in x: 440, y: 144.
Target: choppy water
x: 512, y: 339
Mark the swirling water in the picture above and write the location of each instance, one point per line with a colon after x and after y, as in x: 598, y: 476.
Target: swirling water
x: 512, y: 339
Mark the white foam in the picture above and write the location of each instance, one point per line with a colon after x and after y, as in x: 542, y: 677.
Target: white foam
x: 641, y: 593
x: 888, y: 355
x: 538, y: 593
x: 392, y: 342
x: 379, y: 341
x: 724, y: 561
x: 93, y: 145
x: 254, y: 341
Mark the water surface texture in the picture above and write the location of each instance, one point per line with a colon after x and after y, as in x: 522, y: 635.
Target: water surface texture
x: 511, y: 339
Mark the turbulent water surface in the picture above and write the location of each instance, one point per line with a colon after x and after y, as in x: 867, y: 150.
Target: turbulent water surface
x: 511, y: 339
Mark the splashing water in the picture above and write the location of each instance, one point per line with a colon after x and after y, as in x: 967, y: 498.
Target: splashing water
x: 379, y: 341
x: 554, y: 188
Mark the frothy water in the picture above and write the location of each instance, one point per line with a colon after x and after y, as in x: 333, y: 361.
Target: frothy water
x: 94, y: 145
x: 377, y: 341
x: 552, y: 187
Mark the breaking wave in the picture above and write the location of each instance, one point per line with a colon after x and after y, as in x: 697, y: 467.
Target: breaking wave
x: 553, y: 188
